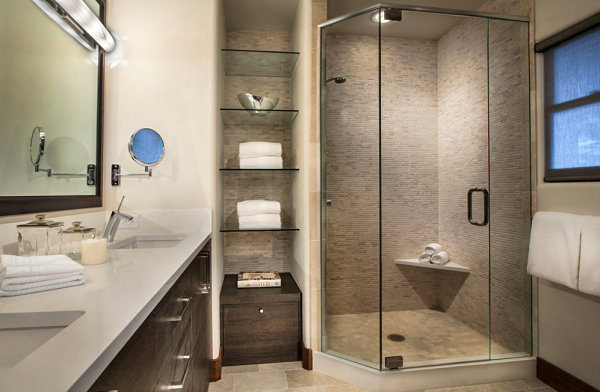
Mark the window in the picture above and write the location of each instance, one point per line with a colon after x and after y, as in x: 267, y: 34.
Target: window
x: 572, y: 107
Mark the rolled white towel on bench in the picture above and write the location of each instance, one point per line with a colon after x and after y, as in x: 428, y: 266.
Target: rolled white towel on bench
x: 259, y: 149
x: 440, y: 258
x: 433, y: 248
x: 257, y: 207
x: 262, y: 221
x: 424, y: 258
x: 261, y: 163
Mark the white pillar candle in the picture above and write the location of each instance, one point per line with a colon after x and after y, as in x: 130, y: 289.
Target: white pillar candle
x: 93, y: 251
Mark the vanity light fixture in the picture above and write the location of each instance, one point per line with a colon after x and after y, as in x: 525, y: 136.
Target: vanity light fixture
x: 79, y: 21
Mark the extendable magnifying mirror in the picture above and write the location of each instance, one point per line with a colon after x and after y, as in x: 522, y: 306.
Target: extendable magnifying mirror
x: 37, y: 147
x: 37, y: 144
x: 146, y: 148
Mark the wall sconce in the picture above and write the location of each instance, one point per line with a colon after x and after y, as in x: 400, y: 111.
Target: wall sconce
x: 80, y: 22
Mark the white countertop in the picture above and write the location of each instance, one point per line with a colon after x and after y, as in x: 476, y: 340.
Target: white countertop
x: 116, y: 299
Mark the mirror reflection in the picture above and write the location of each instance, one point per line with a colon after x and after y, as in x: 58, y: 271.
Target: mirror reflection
x: 146, y: 147
x: 50, y: 83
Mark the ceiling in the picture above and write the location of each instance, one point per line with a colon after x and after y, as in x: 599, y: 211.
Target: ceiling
x: 416, y: 25
x: 260, y: 14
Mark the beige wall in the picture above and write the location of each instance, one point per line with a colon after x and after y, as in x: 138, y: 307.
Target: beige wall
x: 568, y: 320
x: 167, y: 80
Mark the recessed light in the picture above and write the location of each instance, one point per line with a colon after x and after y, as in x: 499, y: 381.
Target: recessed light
x: 379, y: 17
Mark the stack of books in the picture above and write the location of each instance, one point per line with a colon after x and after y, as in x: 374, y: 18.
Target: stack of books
x: 258, y: 279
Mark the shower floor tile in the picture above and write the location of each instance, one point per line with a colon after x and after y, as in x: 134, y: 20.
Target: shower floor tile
x: 430, y: 336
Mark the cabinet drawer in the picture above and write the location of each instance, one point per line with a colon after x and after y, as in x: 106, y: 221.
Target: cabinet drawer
x: 255, y: 333
x: 178, y: 370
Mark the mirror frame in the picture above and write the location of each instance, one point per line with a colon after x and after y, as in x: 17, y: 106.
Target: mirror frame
x: 14, y: 205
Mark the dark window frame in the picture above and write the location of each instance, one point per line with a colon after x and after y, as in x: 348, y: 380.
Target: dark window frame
x: 571, y: 174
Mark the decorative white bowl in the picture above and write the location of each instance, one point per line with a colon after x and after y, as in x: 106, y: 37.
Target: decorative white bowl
x: 257, y: 104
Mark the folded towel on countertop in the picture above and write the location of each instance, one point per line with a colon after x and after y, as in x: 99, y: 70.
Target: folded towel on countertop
x: 17, y: 266
x: 259, y: 149
x: 589, y: 264
x: 433, y: 248
x: 424, y: 258
x: 262, y: 221
x: 256, y: 207
x: 261, y: 163
x: 440, y: 258
x: 554, y: 247
x: 28, y: 288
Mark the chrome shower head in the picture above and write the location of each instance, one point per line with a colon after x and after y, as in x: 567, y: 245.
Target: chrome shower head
x: 337, y: 79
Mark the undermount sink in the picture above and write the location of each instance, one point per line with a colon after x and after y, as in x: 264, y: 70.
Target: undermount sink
x: 148, y: 241
x: 22, y: 333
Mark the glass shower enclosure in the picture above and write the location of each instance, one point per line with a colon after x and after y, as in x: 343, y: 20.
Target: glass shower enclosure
x: 425, y: 138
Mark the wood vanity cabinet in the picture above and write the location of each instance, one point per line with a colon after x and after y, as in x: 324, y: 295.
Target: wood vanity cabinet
x: 260, y: 325
x: 171, y: 349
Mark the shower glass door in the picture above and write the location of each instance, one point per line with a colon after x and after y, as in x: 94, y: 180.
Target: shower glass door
x: 435, y: 175
x: 425, y: 140
x: 350, y: 191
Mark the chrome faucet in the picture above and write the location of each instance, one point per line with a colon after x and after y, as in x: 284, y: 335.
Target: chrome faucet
x: 113, y: 223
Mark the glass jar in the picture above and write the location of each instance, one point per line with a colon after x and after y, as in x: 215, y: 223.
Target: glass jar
x: 70, y: 239
x: 39, y: 237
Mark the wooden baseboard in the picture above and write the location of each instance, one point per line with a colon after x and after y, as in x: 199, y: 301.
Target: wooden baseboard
x: 215, y: 367
x: 559, y: 379
x: 306, y: 358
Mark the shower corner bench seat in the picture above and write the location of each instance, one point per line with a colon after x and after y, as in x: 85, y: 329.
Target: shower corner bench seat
x: 450, y: 266
x: 261, y: 325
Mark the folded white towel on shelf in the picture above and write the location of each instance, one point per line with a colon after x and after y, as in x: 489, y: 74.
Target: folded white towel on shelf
x: 440, y: 258
x: 554, y: 247
x: 256, y: 207
x: 261, y: 163
x: 259, y: 149
x: 10, y: 289
x: 589, y: 264
x: 18, y: 266
x: 261, y: 221
x: 433, y: 248
x: 424, y: 258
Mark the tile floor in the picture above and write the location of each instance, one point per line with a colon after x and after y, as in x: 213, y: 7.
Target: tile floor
x: 357, y: 336
x: 290, y: 377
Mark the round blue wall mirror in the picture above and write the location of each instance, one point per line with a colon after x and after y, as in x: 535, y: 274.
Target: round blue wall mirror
x: 146, y: 147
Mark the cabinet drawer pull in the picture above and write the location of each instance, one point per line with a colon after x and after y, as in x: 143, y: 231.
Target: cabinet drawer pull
x: 175, y: 385
x: 179, y: 317
x: 261, y: 310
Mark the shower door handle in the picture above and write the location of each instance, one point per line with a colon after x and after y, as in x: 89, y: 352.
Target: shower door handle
x: 486, y: 206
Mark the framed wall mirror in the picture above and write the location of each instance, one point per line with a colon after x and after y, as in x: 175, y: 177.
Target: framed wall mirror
x: 50, y: 81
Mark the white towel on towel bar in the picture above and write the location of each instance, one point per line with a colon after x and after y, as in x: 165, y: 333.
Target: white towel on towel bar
x: 257, y: 207
x: 433, y: 248
x: 259, y: 149
x: 440, y: 258
x: 424, y: 258
x: 589, y: 264
x: 262, y: 221
x: 554, y: 247
x: 261, y: 163
x: 17, y: 266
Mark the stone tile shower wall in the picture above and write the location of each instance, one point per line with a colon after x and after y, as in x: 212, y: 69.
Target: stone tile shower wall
x: 352, y: 174
x: 434, y: 149
x: 258, y: 250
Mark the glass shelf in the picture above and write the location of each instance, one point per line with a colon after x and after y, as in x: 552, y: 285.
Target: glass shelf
x: 258, y: 117
x: 450, y: 266
x: 236, y: 169
x: 234, y: 228
x: 259, y: 63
